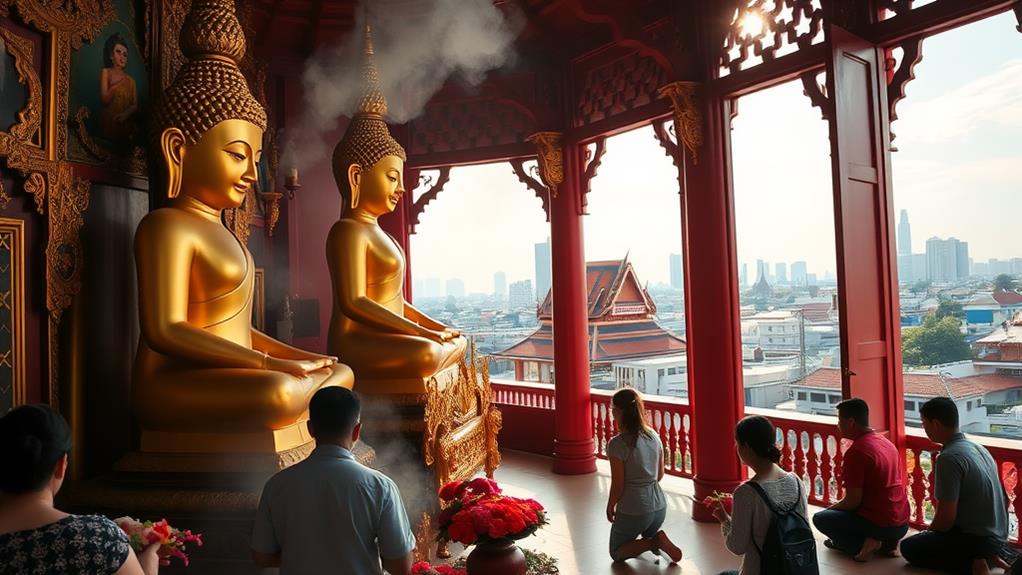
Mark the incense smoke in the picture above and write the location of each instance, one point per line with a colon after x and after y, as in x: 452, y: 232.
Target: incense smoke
x: 418, y: 47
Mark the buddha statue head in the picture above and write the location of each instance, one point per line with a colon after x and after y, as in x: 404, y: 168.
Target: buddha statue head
x: 208, y: 127
x: 368, y: 162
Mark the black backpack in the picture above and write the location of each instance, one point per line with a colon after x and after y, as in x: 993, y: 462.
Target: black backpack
x: 789, y: 547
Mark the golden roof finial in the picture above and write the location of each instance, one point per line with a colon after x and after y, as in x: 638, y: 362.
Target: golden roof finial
x: 372, y: 101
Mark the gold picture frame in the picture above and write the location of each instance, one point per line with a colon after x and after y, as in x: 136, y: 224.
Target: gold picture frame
x: 60, y: 196
x: 12, y: 240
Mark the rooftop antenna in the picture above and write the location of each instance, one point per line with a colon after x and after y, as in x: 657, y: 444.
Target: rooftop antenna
x: 944, y: 376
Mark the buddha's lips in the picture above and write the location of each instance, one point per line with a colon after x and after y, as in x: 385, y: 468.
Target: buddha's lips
x: 241, y: 188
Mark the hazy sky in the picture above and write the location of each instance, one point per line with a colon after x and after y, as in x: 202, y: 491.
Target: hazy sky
x: 959, y: 136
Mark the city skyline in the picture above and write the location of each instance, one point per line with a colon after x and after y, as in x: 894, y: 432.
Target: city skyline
x: 958, y: 152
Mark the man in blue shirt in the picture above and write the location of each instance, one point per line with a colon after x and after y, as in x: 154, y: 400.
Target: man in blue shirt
x: 329, y: 513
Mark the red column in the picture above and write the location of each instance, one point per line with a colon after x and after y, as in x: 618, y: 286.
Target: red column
x: 573, y: 429
x: 519, y: 370
x: 711, y: 309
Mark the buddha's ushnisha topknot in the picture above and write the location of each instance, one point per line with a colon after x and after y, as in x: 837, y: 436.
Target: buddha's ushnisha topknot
x: 210, y: 87
x: 367, y: 139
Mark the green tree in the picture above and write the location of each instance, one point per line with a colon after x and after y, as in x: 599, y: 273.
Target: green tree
x: 919, y: 286
x: 1004, y: 282
x: 938, y: 340
x: 950, y: 308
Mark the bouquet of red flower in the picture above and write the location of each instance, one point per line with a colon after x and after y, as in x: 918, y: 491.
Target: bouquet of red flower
x: 477, y: 512
x: 424, y: 568
x: 726, y: 500
x: 172, y: 540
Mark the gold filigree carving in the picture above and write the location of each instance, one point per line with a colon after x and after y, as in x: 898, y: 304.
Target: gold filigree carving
x: 550, y: 148
x: 85, y: 139
x: 29, y: 117
x: 688, y: 118
x: 462, y: 423
x: 49, y: 178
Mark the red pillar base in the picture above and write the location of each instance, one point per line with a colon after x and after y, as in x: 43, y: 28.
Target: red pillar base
x: 574, y: 457
x: 704, y: 488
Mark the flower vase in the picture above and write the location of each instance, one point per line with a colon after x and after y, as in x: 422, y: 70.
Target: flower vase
x: 499, y: 557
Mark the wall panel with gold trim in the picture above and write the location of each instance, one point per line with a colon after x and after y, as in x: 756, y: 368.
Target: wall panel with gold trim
x: 12, y: 314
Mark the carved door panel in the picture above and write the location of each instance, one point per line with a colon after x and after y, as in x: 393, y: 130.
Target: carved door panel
x: 867, y: 295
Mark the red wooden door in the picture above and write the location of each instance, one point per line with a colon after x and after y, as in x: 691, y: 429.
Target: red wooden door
x: 864, y: 224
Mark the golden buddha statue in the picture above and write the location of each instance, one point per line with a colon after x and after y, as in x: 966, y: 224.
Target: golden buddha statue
x: 393, y: 347
x: 206, y: 381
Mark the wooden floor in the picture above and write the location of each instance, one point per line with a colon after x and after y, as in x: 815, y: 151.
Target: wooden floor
x: 578, y: 530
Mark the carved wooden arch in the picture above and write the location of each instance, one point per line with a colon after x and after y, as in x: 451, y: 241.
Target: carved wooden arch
x: 419, y: 205
x: 58, y: 193
x: 541, y: 192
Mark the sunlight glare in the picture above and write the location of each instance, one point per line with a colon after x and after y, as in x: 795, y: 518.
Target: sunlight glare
x: 753, y: 24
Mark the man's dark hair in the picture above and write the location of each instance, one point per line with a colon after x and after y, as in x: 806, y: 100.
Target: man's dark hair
x: 32, y: 439
x: 942, y: 409
x: 855, y: 408
x: 333, y: 412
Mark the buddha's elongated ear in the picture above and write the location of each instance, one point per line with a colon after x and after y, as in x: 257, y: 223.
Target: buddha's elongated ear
x: 172, y: 144
x: 354, y: 179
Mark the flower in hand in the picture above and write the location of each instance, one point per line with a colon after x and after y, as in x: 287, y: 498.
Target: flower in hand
x: 142, y: 534
x: 720, y: 504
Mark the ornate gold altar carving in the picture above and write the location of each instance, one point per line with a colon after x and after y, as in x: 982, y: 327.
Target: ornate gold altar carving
x: 688, y: 118
x: 36, y: 146
x: 12, y: 306
x: 549, y: 146
x: 462, y: 423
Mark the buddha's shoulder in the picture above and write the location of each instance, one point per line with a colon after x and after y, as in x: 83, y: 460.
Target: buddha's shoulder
x: 162, y: 223
x: 346, y: 229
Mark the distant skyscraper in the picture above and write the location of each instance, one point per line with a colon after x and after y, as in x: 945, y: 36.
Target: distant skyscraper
x: 904, y: 235
x: 946, y: 260
x: 743, y: 275
x: 500, y: 285
x: 434, y: 288
x: 781, y: 273
x: 798, y: 274
x: 677, y: 273
x: 418, y: 289
x: 455, y: 287
x: 542, y: 269
x: 520, y: 296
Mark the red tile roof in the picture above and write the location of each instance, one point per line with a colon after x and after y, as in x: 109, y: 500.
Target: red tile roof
x: 816, y: 312
x: 608, y: 342
x: 1007, y: 297
x: 924, y: 384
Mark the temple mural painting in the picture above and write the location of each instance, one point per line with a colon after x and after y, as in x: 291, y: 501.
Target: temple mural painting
x: 109, y: 95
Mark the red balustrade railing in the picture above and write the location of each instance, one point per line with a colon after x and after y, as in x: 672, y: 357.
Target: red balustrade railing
x: 668, y: 416
x: 921, y: 454
x: 810, y: 447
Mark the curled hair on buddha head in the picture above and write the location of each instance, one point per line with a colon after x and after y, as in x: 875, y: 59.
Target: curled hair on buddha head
x: 367, y: 139
x: 33, y: 438
x: 632, y: 410
x: 210, y: 87
x: 757, y: 433
x: 112, y: 42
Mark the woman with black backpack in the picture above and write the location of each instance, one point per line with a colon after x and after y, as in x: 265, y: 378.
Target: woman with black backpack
x: 768, y: 526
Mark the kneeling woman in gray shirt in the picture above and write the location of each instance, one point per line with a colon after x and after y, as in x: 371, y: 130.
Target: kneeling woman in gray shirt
x: 636, y: 507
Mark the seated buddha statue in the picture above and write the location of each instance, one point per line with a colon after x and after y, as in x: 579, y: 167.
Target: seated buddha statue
x: 205, y: 380
x: 392, y: 346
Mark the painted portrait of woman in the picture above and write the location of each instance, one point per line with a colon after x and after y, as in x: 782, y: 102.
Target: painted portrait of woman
x: 117, y: 92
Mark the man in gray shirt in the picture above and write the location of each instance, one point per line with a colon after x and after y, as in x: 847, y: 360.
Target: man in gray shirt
x: 970, y: 525
x: 329, y: 513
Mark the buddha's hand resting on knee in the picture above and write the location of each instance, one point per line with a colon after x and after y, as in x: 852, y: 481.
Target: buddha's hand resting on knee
x: 297, y: 367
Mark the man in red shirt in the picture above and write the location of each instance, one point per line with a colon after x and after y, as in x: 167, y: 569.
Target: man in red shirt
x: 873, y: 515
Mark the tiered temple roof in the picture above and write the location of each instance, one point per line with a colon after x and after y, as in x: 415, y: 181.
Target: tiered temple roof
x: 621, y: 320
